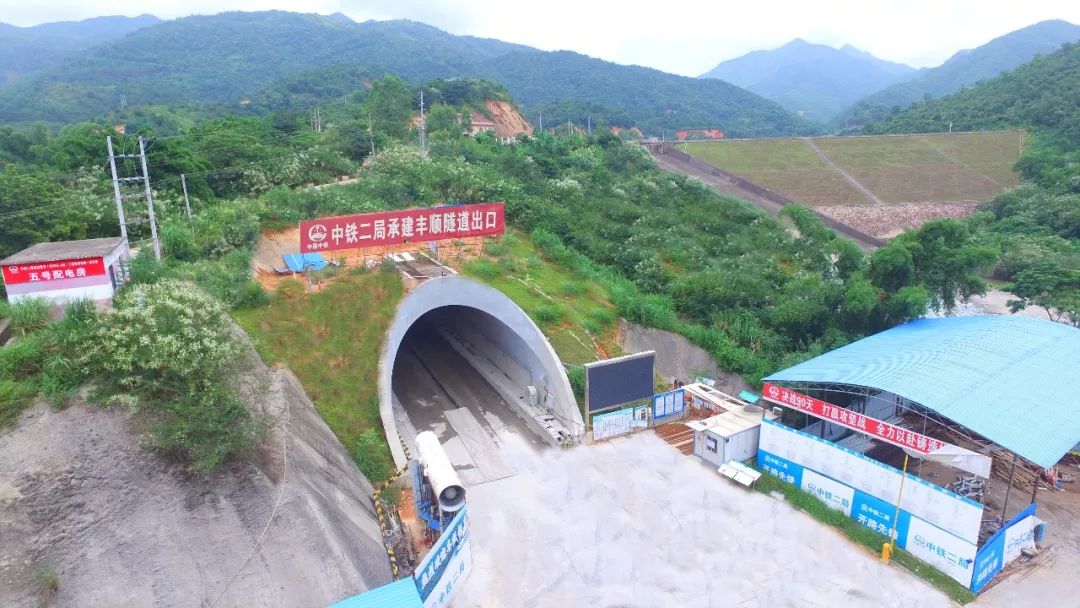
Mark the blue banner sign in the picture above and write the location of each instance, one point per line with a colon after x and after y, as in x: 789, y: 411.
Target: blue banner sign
x: 670, y: 403
x: 449, y: 559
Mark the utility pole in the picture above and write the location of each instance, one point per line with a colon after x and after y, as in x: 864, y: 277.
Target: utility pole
x: 187, y: 204
x: 149, y: 199
x: 116, y: 190
x: 371, y: 134
x: 423, y: 143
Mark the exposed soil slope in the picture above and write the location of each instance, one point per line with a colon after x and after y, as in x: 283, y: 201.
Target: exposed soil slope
x: 123, y: 527
x: 508, y: 121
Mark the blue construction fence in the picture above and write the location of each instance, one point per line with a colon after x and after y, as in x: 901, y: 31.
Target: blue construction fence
x: 1004, y: 546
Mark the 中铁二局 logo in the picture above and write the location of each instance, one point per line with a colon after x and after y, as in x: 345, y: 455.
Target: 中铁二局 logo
x: 317, y: 233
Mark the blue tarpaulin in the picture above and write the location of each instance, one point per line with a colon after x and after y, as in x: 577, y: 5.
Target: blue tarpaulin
x: 399, y: 594
x: 298, y: 262
x: 751, y: 398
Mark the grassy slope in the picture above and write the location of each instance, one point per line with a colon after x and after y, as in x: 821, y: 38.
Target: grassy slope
x: 914, y: 168
x: 572, y: 312
x: 788, y: 166
x: 331, y: 340
x: 940, y: 167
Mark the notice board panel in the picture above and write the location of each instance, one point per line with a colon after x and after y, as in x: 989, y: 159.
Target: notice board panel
x: 614, y: 382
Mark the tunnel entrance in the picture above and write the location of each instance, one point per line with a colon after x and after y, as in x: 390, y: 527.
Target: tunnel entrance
x: 463, y: 361
x: 440, y: 390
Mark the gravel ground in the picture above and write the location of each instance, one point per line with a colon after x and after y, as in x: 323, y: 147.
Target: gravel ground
x: 633, y: 523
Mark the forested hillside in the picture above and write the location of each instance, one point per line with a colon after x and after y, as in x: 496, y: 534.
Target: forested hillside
x: 964, y: 69
x: 814, y: 80
x: 226, y: 60
x: 1036, y: 226
x: 24, y: 50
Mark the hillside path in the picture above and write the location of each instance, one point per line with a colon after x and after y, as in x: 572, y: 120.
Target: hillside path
x: 854, y: 182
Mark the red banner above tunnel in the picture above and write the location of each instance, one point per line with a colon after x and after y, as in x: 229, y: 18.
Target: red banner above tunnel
x: 401, y: 227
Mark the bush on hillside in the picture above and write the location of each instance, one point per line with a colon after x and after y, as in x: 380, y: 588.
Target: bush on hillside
x: 169, y: 350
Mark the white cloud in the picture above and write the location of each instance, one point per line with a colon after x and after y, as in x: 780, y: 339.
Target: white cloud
x: 682, y: 37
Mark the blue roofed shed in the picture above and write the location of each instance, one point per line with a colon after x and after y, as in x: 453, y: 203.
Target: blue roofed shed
x: 398, y: 594
x: 1012, y: 380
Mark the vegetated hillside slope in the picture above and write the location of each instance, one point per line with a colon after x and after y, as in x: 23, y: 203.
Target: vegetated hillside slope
x: 26, y: 49
x: 964, y: 69
x: 1035, y: 226
x: 1043, y: 95
x: 814, y: 80
x: 230, y: 57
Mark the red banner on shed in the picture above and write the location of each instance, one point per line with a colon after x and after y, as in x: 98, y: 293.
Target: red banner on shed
x: 878, y: 429
x: 53, y: 271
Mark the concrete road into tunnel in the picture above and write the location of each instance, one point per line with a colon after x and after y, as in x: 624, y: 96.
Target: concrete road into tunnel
x: 441, y: 392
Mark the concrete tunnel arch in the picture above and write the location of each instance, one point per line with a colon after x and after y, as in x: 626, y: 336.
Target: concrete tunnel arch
x: 526, y: 347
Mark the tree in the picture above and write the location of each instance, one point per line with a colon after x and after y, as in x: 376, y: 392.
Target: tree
x: 390, y: 105
x: 1049, y: 285
x: 443, y: 118
x: 945, y: 259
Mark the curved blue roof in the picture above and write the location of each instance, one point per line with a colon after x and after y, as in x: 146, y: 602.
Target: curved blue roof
x: 1013, y: 380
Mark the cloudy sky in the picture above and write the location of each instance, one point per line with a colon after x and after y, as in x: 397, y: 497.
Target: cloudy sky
x: 687, y: 37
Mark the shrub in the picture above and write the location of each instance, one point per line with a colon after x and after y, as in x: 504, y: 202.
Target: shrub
x: 206, y: 426
x: 484, y: 269
x: 29, y: 315
x: 572, y: 288
x: 371, y: 456
x: 24, y: 357
x: 496, y: 249
x: 168, y: 350
x: 144, y: 269
x: 48, y: 582
x: 576, y: 375
x: 549, y: 314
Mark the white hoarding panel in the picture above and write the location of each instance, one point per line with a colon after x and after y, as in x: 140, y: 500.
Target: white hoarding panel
x: 1020, y: 536
x: 942, y: 550
x: 613, y: 424
x: 955, y: 514
x: 832, y: 493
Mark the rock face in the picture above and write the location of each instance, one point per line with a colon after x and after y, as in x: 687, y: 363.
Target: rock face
x: 508, y: 121
x: 677, y: 357
x: 124, y: 527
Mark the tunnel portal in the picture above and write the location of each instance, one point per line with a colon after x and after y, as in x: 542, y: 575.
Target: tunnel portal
x: 462, y: 360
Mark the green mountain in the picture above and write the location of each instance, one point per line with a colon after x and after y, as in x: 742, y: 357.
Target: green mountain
x: 1042, y: 95
x: 964, y: 69
x: 229, y: 58
x: 814, y: 80
x: 27, y: 49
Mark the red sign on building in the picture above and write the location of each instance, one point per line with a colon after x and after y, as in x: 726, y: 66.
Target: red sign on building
x: 878, y: 429
x: 38, y: 272
x: 400, y: 227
